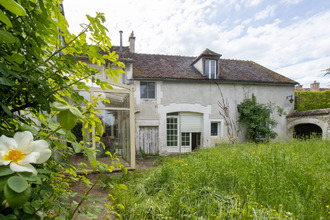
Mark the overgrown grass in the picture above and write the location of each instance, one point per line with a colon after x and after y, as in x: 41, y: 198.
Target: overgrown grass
x: 289, y: 180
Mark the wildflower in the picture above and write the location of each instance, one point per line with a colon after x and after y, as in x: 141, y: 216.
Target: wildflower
x: 286, y: 216
x: 327, y: 206
x: 19, y: 152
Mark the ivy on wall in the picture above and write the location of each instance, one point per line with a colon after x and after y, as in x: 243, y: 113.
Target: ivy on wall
x: 310, y: 100
x: 258, y: 119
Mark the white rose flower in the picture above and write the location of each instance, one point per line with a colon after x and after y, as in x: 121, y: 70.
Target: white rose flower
x: 19, y: 152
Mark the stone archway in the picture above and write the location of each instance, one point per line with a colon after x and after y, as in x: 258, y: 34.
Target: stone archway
x: 309, y: 122
x: 307, y: 131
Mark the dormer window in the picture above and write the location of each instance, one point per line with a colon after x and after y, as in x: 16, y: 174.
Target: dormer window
x: 208, y: 64
x: 210, y: 68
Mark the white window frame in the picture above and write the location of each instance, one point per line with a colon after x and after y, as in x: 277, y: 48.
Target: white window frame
x: 220, y: 123
x: 171, y: 129
x: 208, y: 66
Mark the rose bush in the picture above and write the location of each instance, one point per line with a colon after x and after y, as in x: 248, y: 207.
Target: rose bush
x: 39, y: 73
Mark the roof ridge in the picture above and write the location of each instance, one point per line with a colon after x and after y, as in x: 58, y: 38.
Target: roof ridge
x: 169, y: 55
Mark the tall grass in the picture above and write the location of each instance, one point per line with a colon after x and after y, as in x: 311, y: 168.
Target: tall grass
x: 287, y: 180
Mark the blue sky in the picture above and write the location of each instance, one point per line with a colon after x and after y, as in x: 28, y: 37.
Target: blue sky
x: 291, y: 37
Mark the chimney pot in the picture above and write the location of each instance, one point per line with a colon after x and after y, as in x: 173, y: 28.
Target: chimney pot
x: 315, y: 86
x: 121, y: 40
x: 131, y: 41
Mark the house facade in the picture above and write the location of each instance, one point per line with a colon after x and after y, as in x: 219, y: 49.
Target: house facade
x: 185, y: 103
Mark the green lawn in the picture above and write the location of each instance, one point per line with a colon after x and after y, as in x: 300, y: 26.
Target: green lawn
x: 286, y: 180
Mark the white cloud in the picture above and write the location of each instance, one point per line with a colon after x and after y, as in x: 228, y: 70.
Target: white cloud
x: 252, y: 2
x: 293, y: 2
x: 188, y: 27
x: 267, y: 12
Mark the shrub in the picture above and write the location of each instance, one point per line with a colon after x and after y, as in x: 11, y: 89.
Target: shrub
x: 310, y: 100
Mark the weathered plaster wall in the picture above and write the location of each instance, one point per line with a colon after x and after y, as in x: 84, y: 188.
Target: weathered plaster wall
x: 200, y: 97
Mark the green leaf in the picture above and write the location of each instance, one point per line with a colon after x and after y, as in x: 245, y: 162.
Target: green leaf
x: 91, y: 158
x: 15, y: 199
x: 6, y: 82
x: 121, y: 186
x: 28, y: 176
x: 3, y: 183
x: 7, y: 72
x: 18, y: 58
x: 43, y: 171
x: 8, y: 217
x: 27, y: 208
x: 8, y: 37
x: 60, y: 106
x: 75, y: 111
x: 5, y: 19
x: 6, y: 109
x: 17, y: 183
x: 13, y: 7
x: 5, y: 171
x: 28, y: 128
x: 76, y: 147
x: 67, y: 120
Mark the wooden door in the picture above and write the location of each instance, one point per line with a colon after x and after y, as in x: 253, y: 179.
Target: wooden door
x: 149, y: 139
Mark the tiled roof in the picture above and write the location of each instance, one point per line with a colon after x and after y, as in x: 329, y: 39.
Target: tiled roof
x: 324, y: 111
x: 168, y: 67
x: 161, y: 67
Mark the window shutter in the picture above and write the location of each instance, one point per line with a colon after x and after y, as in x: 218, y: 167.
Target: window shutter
x: 191, y: 122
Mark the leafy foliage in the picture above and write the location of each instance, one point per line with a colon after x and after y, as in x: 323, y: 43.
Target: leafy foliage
x: 327, y: 71
x: 257, y: 118
x: 39, y: 58
x: 310, y: 100
x: 39, y: 70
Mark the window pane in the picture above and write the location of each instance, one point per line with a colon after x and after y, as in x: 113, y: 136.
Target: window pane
x: 212, y: 69
x: 171, y: 131
x: 151, y: 90
x: 147, y: 90
x: 143, y: 90
x: 120, y: 100
x: 207, y: 68
x: 214, y: 129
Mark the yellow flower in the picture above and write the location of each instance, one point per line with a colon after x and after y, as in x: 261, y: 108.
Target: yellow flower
x: 286, y: 216
x: 327, y: 206
x: 261, y: 206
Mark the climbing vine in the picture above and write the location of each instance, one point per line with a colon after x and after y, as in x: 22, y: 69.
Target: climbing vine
x: 258, y: 119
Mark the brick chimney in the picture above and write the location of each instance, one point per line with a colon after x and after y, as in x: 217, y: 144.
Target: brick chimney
x: 131, y: 41
x: 315, y: 86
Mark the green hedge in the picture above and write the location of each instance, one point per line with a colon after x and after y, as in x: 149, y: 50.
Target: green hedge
x: 308, y: 100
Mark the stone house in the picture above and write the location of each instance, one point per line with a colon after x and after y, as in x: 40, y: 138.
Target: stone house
x: 178, y: 99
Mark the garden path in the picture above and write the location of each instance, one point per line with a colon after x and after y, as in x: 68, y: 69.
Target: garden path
x: 98, y: 192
